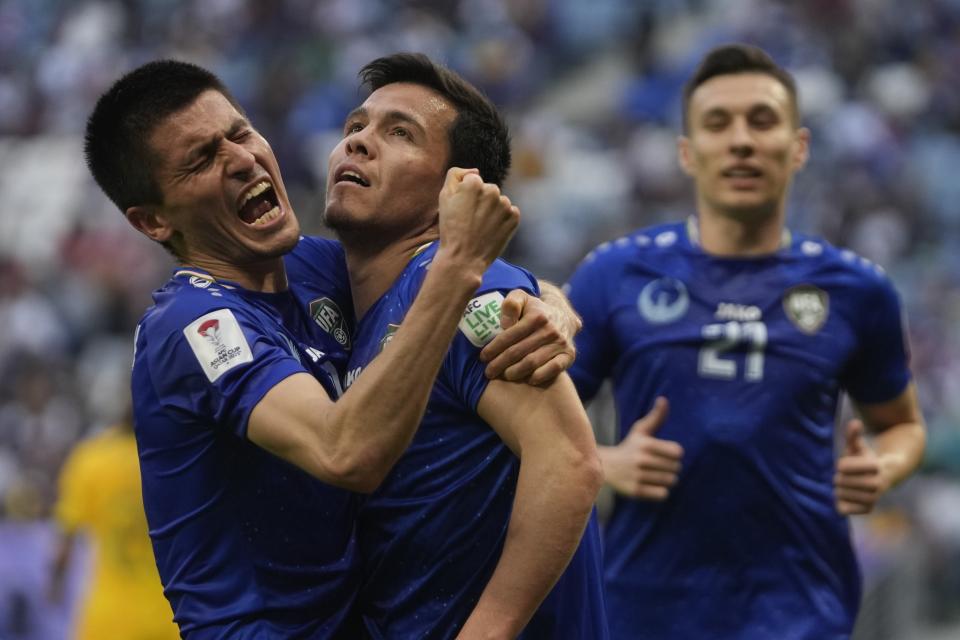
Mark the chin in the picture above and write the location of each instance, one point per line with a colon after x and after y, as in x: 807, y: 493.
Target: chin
x: 282, y: 242
x: 750, y: 211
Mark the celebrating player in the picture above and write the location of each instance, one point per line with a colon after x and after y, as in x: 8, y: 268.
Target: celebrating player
x: 728, y: 340
x: 478, y: 519
x: 247, y: 462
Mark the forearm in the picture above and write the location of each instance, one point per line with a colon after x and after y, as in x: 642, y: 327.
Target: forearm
x: 378, y: 415
x: 899, y: 434
x: 900, y: 450
x: 551, y: 508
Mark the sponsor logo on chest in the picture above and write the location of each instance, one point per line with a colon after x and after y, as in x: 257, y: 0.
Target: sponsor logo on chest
x: 738, y: 312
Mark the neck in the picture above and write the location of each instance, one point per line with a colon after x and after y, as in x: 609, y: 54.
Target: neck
x: 374, y: 269
x: 267, y: 276
x: 752, y: 234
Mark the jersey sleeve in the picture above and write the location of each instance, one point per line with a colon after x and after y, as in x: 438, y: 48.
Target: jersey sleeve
x: 879, y: 370
x: 587, y: 291
x: 217, y: 366
x: 462, y: 370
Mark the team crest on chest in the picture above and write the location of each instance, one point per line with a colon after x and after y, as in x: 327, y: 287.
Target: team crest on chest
x: 328, y: 317
x: 663, y: 300
x: 388, y: 336
x: 807, y: 307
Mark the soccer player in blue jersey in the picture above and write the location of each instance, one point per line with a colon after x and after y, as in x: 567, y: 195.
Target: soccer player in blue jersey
x: 730, y: 519
x: 480, y: 517
x: 248, y: 464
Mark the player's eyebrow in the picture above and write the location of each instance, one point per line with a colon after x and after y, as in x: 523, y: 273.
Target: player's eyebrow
x: 359, y: 112
x: 203, y: 147
x: 392, y: 116
x: 397, y: 116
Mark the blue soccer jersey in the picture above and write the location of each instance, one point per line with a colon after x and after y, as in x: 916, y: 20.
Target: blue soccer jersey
x: 432, y: 534
x: 248, y: 546
x: 752, y: 354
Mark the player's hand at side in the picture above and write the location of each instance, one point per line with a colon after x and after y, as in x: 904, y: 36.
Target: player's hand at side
x: 476, y: 220
x: 536, y: 345
x: 644, y: 466
x: 859, y: 481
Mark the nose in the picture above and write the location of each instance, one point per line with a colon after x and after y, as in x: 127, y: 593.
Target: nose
x: 741, y: 139
x: 240, y: 161
x: 359, y: 142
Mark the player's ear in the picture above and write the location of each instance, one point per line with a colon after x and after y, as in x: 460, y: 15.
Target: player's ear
x: 150, y: 221
x: 683, y: 155
x: 801, y: 150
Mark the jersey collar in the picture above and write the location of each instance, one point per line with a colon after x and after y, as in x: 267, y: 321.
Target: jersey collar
x: 421, y: 249
x: 693, y: 234
x: 194, y: 272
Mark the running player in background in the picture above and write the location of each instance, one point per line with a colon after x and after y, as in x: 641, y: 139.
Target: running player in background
x: 99, y: 498
x: 248, y: 466
x: 479, y: 518
x: 728, y: 340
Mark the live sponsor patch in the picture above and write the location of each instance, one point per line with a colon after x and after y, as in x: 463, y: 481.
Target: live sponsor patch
x: 481, y: 319
x: 218, y: 342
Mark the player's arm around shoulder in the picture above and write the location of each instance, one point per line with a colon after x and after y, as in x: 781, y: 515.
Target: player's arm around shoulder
x: 355, y: 441
x: 559, y: 479
x: 537, y: 342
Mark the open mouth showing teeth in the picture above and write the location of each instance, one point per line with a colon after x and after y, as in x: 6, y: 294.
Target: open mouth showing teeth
x: 260, y: 205
x: 350, y: 176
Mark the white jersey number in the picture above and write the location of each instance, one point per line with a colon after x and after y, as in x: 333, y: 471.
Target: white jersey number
x: 721, y: 338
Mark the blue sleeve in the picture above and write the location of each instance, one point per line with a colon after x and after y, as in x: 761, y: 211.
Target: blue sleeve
x: 879, y: 370
x: 462, y: 370
x: 587, y: 291
x: 216, y: 382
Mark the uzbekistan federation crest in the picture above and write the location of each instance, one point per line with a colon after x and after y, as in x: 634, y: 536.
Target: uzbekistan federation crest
x: 807, y: 307
x: 388, y: 335
x: 328, y: 317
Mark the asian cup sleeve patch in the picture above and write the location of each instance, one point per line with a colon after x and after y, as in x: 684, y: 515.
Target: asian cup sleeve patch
x: 481, y: 319
x: 218, y: 342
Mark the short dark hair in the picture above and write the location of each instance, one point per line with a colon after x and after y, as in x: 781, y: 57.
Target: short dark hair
x: 115, y: 144
x: 738, y: 58
x: 479, y: 138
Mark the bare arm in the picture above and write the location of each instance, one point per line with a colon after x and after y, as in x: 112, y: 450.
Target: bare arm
x: 559, y: 480
x: 865, y: 472
x: 536, y: 345
x: 353, y: 442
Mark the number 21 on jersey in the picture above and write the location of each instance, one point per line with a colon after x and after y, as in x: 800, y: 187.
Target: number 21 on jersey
x: 721, y: 338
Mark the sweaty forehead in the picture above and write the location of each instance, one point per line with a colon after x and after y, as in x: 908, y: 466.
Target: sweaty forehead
x: 738, y: 92
x: 422, y: 103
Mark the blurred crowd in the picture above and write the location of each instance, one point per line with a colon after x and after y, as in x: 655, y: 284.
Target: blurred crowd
x: 591, y: 91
